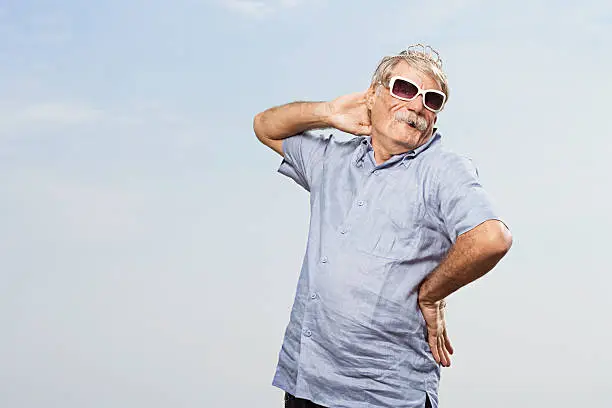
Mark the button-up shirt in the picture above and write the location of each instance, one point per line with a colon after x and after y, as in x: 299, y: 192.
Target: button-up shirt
x: 356, y: 337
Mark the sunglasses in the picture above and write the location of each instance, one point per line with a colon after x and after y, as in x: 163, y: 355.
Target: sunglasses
x: 406, y: 90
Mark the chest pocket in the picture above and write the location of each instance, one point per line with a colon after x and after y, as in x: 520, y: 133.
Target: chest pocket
x: 390, y: 224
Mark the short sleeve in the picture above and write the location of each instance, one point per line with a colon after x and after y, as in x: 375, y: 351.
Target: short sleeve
x: 463, y: 202
x: 302, y: 153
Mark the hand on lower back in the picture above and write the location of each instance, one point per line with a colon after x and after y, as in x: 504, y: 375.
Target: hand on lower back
x: 437, y: 337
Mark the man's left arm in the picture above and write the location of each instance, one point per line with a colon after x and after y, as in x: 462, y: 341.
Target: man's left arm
x: 480, y: 242
x: 474, y: 254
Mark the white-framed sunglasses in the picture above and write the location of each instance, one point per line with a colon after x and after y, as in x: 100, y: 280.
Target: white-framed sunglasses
x: 406, y: 90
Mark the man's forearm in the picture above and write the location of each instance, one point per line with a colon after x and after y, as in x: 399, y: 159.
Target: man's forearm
x: 474, y: 254
x: 288, y: 120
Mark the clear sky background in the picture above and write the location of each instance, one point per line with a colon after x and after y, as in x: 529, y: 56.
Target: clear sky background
x: 149, y: 251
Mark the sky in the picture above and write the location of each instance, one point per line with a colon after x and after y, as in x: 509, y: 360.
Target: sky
x: 149, y: 250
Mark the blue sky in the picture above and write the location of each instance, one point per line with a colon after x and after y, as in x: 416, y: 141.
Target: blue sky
x: 149, y: 251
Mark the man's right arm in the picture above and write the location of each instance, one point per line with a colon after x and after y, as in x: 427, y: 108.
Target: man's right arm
x: 275, y: 124
x: 347, y: 113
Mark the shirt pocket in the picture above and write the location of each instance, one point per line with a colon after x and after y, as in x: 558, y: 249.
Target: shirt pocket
x: 392, y: 227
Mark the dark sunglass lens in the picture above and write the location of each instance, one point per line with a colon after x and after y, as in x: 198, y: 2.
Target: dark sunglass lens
x: 434, y: 100
x: 404, y: 89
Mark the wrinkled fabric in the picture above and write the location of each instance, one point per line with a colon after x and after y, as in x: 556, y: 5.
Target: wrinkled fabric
x: 356, y: 337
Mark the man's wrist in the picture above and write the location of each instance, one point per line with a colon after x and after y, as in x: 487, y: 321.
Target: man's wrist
x: 428, y: 301
x: 425, y: 295
x: 323, y: 113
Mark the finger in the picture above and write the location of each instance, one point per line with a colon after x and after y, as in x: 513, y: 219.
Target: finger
x: 447, y: 343
x: 444, y: 358
x: 447, y: 357
x: 433, y: 345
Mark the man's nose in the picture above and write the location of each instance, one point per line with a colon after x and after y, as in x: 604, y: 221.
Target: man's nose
x: 416, y: 104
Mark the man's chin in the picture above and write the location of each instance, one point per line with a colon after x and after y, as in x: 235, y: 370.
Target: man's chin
x: 411, y: 138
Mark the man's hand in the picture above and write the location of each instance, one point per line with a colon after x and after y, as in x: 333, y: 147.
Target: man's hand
x: 437, y: 336
x: 349, y: 113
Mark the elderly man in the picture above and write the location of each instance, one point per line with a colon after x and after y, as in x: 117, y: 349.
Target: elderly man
x: 397, y: 224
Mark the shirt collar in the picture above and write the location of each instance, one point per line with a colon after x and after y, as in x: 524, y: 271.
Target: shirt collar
x: 435, y: 138
x: 365, y: 146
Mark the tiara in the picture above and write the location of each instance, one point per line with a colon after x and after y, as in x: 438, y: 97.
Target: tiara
x: 423, y: 52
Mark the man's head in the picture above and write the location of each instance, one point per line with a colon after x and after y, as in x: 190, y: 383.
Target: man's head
x: 406, y: 94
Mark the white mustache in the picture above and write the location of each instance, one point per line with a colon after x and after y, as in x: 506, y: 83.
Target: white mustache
x: 412, y: 118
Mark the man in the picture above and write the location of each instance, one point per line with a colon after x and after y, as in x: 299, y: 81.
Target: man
x: 398, y: 223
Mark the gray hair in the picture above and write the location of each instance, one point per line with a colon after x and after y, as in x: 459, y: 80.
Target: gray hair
x: 421, y: 57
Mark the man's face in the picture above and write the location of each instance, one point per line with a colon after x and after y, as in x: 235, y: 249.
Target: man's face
x: 387, y: 112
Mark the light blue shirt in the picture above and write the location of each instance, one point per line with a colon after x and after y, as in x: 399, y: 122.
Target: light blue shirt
x: 356, y: 337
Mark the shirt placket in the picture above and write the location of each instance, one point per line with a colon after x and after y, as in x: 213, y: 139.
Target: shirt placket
x: 357, y: 212
x: 361, y: 205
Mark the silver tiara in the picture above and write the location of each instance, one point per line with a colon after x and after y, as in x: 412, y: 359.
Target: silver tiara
x: 424, y: 52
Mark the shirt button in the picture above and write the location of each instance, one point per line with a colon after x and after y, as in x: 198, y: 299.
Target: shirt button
x: 324, y: 259
x: 313, y: 296
x: 307, y: 333
x: 343, y: 231
x: 361, y: 203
